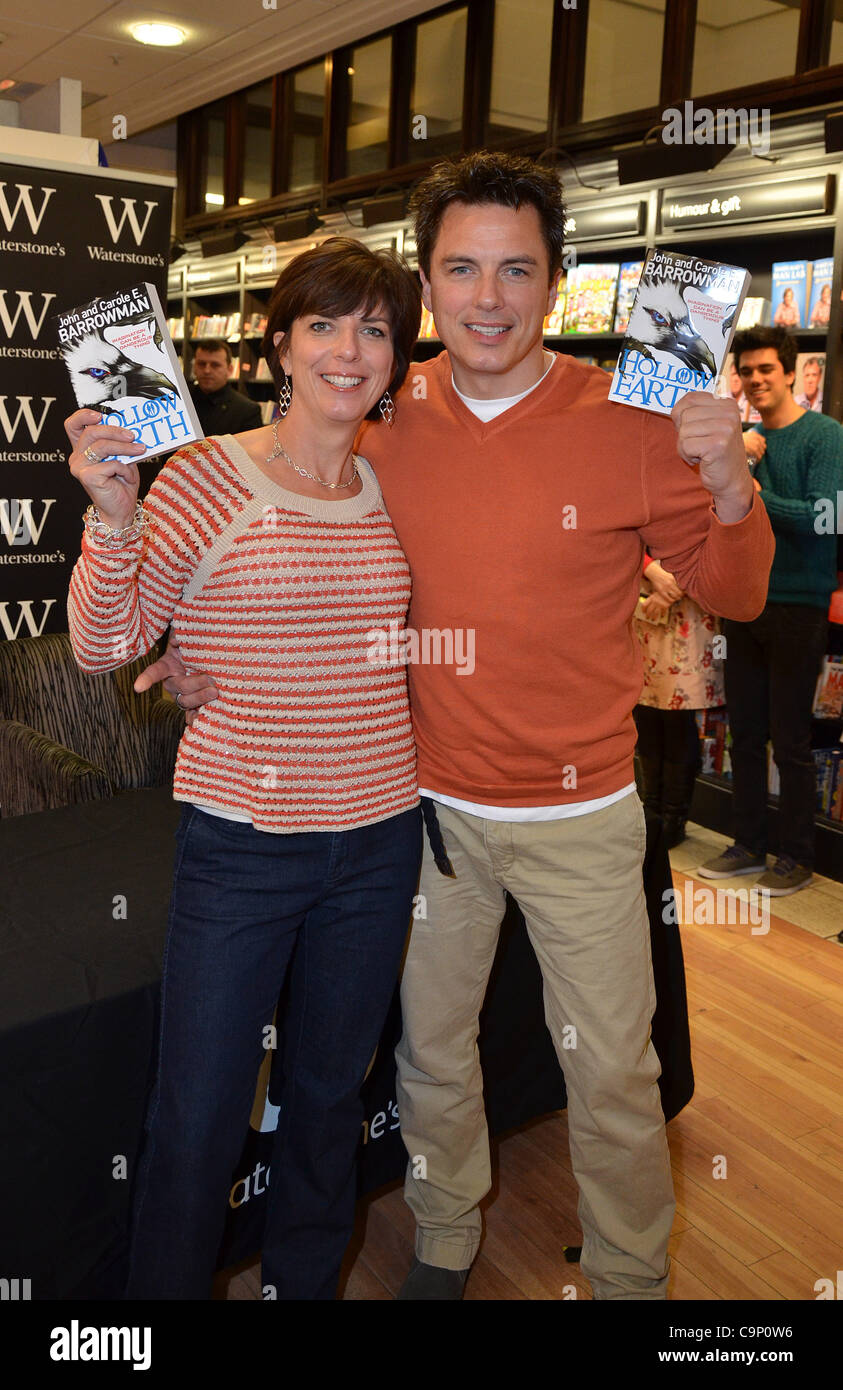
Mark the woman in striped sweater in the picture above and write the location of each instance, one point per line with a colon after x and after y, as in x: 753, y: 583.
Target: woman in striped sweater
x: 273, y: 557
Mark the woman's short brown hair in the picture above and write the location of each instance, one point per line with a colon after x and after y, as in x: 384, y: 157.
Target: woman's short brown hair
x: 342, y: 276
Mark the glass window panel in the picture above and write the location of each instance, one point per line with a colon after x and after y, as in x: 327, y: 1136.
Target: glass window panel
x: 742, y: 41
x: 622, y: 56
x: 520, y: 68
x: 257, y: 166
x: 308, y: 124
x: 438, y: 80
x: 367, y: 137
x: 214, y: 155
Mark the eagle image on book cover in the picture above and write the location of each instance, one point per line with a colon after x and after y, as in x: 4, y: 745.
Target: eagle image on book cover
x: 121, y: 362
x: 680, y: 328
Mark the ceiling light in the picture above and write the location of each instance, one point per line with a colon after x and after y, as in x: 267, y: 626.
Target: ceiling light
x: 350, y: 71
x: 6, y: 84
x: 215, y: 199
x: 161, y: 35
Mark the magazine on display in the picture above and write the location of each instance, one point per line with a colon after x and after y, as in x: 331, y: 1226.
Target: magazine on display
x: 791, y: 280
x: 121, y: 361
x: 808, y: 380
x: 680, y: 328
x: 592, y: 289
x: 821, y: 277
x: 627, y: 285
x: 555, y: 320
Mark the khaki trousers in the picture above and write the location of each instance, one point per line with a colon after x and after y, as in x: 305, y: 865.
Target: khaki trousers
x: 578, y: 882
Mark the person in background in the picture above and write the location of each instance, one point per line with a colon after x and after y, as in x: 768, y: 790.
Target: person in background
x: 681, y: 675
x: 271, y: 553
x: 811, y: 397
x: 772, y: 663
x: 736, y: 390
x: 221, y: 408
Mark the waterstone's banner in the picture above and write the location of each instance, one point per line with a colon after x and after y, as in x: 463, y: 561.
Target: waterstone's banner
x: 66, y: 236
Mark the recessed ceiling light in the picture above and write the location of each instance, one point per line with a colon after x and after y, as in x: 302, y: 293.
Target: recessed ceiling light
x: 161, y: 35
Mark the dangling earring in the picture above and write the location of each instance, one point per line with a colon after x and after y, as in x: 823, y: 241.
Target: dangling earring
x: 285, y: 395
x: 386, y: 405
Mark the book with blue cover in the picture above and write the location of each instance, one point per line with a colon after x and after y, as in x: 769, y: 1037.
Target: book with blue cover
x: 822, y: 273
x: 680, y: 328
x: 791, y: 281
x: 121, y: 361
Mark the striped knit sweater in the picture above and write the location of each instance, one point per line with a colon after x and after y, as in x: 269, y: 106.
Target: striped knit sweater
x: 309, y: 734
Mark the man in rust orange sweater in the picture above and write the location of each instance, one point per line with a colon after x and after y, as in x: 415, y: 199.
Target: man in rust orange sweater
x: 524, y: 501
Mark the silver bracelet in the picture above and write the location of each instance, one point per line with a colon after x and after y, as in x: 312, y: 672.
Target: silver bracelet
x: 103, y: 534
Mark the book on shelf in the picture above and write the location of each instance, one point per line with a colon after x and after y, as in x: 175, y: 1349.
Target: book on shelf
x: 215, y: 326
x: 555, y: 320
x: 827, y: 763
x: 591, y: 293
x: 828, y: 696
x: 822, y: 273
x: 175, y: 327
x: 791, y: 283
x: 754, y: 311
x: 680, y: 329
x: 256, y: 325
x: 121, y: 362
x: 262, y: 373
x: 630, y: 274
x: 269, y: 412
x: 808, y: 380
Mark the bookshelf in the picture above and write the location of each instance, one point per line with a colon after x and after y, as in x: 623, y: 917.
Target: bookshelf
x: 803, y: 221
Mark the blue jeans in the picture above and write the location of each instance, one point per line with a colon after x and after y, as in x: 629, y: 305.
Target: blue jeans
x: 247, y: 905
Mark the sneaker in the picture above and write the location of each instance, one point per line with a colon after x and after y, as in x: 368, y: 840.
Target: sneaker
x: 733, y: 861
x: 786, y: 876
x: 431, y: 1282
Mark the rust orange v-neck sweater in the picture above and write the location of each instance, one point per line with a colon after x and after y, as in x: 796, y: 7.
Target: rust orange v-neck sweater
x: 529, y: 532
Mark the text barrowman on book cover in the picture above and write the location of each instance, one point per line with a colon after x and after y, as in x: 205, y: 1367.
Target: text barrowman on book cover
x: 121, y: 362
x: 680, y: 328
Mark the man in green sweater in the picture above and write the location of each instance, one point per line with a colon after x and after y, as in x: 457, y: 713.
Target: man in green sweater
x: 772, y: 663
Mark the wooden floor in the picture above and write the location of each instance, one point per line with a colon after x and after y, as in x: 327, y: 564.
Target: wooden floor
x: 767, y: 1028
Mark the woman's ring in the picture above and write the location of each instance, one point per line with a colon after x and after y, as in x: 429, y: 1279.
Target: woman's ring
x: 89, y: 454
x: 178, y: 700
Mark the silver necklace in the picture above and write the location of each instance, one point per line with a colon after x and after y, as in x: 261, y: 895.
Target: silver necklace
x: 280, y: 451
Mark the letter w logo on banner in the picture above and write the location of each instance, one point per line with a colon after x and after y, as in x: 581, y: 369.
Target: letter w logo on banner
x: 25, y: 308
x: 25, y: 410
x: 129, y: 215
x: 26, y: 616
x: 24, y: 190
x: 17, y: 523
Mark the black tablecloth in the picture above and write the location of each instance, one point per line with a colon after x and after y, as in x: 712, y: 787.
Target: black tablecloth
x: 82, y: 923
